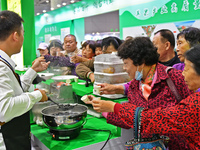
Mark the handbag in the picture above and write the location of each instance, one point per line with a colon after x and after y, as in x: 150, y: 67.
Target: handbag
x: 139, y: 143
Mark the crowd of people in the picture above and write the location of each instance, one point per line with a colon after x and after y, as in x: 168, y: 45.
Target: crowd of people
x: 144, y: 60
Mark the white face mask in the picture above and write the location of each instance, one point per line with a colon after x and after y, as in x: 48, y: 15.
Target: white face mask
x: 138, y: 75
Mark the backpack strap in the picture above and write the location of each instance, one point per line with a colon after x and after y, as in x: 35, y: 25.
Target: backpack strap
x: 172, y: 86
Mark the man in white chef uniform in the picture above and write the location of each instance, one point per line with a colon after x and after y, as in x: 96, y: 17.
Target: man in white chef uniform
x: 15, y: 101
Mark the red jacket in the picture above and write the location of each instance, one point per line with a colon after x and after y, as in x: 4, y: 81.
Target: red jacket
x: 182, y: 119
x: 161, y: 95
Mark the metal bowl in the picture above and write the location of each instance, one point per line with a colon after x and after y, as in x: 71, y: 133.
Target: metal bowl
x: 56, y: 118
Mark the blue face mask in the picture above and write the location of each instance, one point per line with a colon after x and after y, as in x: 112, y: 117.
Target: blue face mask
x: 138, y: 75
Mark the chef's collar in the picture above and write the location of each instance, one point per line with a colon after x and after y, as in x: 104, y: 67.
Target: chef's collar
x: 8, y: 59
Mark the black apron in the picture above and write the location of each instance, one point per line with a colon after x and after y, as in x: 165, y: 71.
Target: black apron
x: 16, y: 133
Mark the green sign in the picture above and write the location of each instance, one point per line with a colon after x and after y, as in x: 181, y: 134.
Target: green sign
x: 145, y: 19
x: 158, y: 11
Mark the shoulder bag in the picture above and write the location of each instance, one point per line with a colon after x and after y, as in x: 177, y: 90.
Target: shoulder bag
x: 139, y: 143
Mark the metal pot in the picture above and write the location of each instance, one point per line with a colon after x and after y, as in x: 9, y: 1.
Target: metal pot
x: 73, y: 116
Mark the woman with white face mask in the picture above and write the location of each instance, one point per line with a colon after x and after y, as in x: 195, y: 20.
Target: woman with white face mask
x: 148, y: 88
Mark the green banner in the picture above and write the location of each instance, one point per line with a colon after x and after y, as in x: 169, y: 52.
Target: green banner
x: 145, y: 19
x: 84, y: 8
x: 158, y: 11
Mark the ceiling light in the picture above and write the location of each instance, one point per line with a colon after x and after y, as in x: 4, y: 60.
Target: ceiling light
x: 52, y: 8
x: 44, y: 11
x: 64, y: 4
x: 38, y: 13
x: 58, y: 5
x: 72, y: 1
x: 47, y: 1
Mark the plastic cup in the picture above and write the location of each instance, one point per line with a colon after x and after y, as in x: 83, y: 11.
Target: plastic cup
x: 76, y: 79
x: 96, y: 89
x: 97, y: 98
x: 85, y: 98
x: 68, y: 81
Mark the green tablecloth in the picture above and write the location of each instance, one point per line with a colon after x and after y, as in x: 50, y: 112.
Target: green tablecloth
x: 86, y: 137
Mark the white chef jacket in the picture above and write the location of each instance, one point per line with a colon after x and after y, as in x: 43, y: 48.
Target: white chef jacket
x: 13, y: 101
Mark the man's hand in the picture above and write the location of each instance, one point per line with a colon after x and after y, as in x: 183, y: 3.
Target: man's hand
x: 44, y: 96
x: 39, y: 64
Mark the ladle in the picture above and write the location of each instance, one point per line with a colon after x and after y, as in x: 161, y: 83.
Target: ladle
x: 62, y: 106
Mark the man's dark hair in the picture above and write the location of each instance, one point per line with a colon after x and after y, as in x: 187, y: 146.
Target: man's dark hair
x: 140, y: 50
x: 193, y: 56
x: 191, y: 35
x: 68, y: 35
x: 167, y: 35
x: 9, y: 23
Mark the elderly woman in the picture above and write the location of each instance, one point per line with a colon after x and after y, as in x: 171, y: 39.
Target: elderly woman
x: 55, y: 48
x: 148, y: 88
x: 182, y: 119
x: 88, y: 52
x: 59, y: 60
x: 185, y: 40
x: 85, y: 69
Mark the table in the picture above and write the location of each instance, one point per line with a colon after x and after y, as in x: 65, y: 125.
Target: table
x: 87, y: 139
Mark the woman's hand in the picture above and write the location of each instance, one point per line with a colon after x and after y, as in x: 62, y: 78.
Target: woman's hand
x: 106, y: 88
x: 90, y: 97
x: 60, y: 53
x: 111, y: 89
x: 76, y: 59
x: 103, y: 106
x: 91, y: 77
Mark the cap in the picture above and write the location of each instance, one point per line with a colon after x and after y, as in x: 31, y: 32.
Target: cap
x: 42, y: 46
x: 51, y: 39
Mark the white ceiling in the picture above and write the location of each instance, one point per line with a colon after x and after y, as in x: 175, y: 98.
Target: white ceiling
x: 41, y: 5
